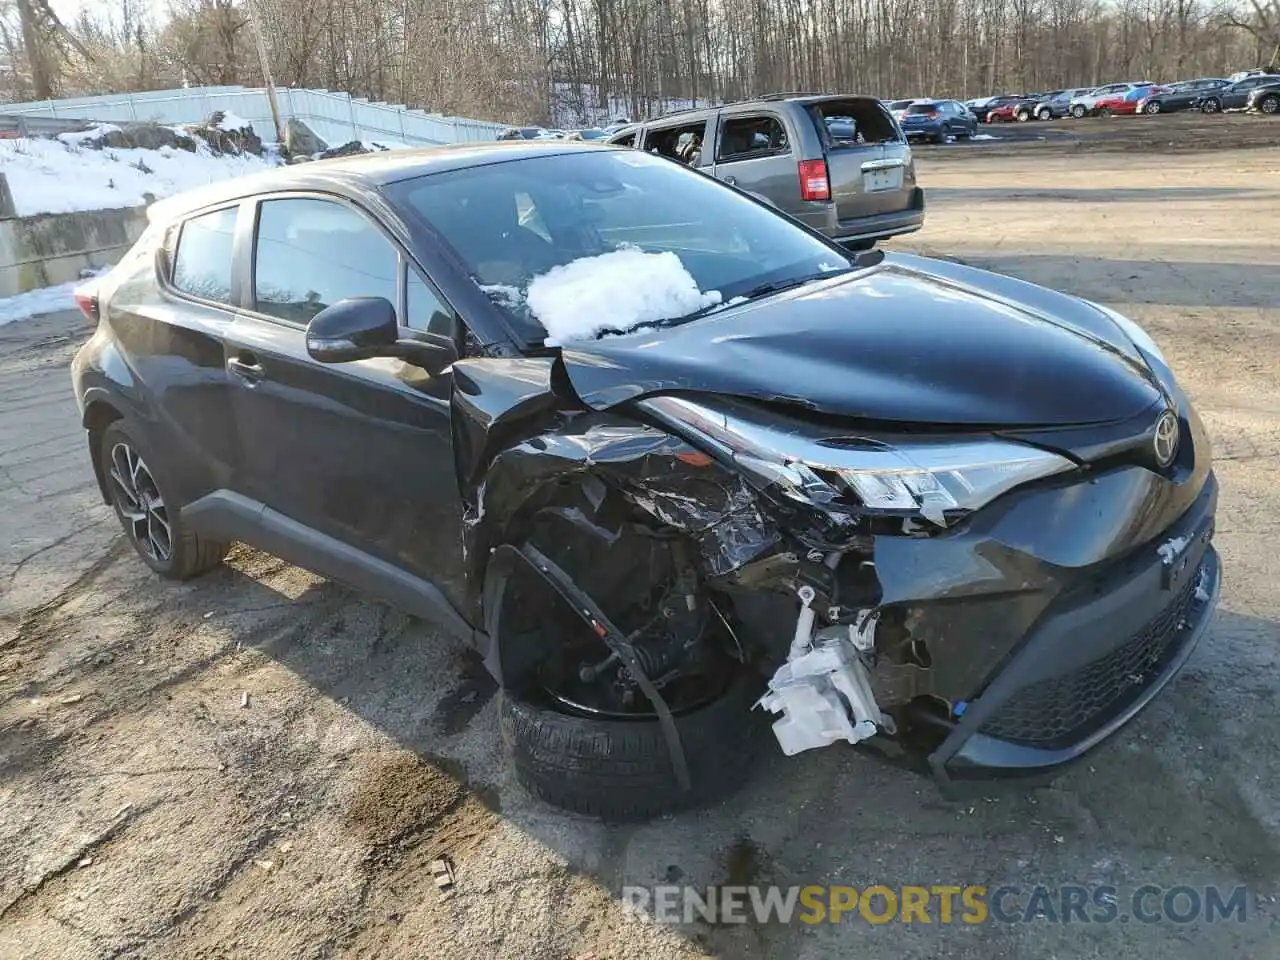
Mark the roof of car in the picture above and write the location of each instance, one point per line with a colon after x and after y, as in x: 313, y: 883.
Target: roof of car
x: 366, y: 170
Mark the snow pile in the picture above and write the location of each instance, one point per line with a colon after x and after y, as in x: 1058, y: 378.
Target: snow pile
x: 232, y: 123
x: 37, y: 302
x: 60, y: 176
x: 615, y: 291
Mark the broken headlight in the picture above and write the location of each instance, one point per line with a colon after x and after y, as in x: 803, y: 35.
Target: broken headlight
x: 924, y: 477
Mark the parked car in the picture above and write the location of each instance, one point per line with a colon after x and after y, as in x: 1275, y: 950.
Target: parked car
x: 526, y: 133
x: 1234, y: 96
x: 1017, y: 109
x: 937, y: 120
x: 591, y: 133
x: 837, y: 482
x: 838, y: 163
x: 1265, y: 98
x: 1179, y: 96
x: 1057, y: 103
x: 1124, y: 104
x: 982, y: 112
x: 897, y: 108
x: 1083, y: 105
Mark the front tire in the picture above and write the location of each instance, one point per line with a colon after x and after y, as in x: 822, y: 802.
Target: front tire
x: 1044, y: 113
x: 146, y: 510
x: 1078, y: 111
x: 1153, y: 108
x: 1210, y: 106
x: 621, y: 770
x: 1023, y: 116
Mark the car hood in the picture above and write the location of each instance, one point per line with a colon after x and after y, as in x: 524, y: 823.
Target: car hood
x: 909, y: 340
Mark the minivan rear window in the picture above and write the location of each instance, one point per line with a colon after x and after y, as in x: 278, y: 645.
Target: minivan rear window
x: 853, y: 122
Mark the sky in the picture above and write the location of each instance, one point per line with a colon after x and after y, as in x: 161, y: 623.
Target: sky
x: 69, y: 10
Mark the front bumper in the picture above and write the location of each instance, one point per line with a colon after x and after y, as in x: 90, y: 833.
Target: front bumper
x: 1097, y: 654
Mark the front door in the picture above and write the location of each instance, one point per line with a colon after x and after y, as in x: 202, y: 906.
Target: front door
x: 361, y: 451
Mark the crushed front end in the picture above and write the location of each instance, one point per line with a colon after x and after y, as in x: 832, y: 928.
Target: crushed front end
x: 978, y: 606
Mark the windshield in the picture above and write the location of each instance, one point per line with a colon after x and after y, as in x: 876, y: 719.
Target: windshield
x: 572, y: 245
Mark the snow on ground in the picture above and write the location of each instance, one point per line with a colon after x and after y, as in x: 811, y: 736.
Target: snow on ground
x: 614, y: 291
x: 61, y: 175
x: 38, y: 302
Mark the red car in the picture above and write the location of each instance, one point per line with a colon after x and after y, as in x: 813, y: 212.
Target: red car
x: 1122, y: 104
x: 1007, y: 112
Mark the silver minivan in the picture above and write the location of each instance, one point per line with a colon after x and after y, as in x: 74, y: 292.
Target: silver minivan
x: 839, y: 164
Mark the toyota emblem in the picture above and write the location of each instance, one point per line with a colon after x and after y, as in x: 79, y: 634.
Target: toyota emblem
x: 1165, y: 441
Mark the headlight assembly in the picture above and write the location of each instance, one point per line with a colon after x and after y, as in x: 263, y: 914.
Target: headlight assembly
x: 909, y: 477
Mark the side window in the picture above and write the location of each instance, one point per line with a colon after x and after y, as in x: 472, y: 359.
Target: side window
x: 425, y: 310
x: 683, y: 143
x: 742, y: 138
x: 628, y: 141
x: 202, y: 264
x: 312, y: 253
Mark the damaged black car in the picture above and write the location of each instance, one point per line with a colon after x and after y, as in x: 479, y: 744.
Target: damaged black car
x: 677, y: 466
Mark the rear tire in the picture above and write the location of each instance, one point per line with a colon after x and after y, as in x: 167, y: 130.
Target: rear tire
x: 1044, y: 113
x: 1270, y: 104
x: 1105, y: 113
x: 1153, y: 108
x: 1022, y: 116
x: 620, y: 770
x: 146, y: 510
x: 1210, y: 106
x: 1078, y: 111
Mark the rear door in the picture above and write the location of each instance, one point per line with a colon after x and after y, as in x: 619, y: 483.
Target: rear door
x: 867, y: 158
x: 756, y: 152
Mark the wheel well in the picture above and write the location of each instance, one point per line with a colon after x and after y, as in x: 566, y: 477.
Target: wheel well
x: 97, y: 417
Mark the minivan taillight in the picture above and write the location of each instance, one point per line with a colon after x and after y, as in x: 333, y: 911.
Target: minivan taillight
x: 87, y: 301
x: 814, y: 184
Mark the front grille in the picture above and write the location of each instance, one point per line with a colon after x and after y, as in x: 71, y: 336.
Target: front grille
x: 1059, y: 710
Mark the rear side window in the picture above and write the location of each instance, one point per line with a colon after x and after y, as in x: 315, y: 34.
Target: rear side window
x: 683, y: 143
x: 202, y: 264
x: 628, y: 141
x: 742, y: 138
x: 312, y: 253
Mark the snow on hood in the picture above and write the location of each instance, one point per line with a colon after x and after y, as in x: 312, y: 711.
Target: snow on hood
x: 615, y: 291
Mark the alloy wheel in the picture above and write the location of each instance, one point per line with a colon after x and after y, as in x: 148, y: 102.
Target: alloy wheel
x: 1210, y: 106
x: 1045, y: 114
x: 1023, y: 116
x: 1270, y: 105
x: 138, y: 499
x: 1153, y: 107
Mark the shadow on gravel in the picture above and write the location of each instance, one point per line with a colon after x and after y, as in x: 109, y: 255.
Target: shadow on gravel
x: 1091, y: 195
x: 1178, y: 797
x: 1159, y: 282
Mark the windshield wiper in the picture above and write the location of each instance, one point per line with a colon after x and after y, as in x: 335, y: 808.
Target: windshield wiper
x: 777, y: 286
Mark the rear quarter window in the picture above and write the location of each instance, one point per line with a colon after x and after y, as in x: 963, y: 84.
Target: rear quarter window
x: 202, y: 261
x: 743, y: 138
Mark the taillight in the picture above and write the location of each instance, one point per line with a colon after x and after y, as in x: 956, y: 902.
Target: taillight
x: 814, y: 184
x: 87, y: 301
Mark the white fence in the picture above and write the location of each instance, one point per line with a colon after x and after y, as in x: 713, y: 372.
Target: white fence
x: 335, y: 117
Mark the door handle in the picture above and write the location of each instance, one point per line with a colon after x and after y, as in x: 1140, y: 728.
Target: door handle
x: 245, y: 366
x: 731, y: 181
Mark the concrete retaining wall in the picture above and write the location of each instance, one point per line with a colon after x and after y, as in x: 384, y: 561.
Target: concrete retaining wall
x: 52, y: 248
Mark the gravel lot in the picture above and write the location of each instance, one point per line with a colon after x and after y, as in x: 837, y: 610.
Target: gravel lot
x: 146, y: 810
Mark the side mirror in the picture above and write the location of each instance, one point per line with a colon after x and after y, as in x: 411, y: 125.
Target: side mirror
x: 361, y: 327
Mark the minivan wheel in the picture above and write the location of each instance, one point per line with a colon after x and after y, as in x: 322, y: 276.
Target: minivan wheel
x: 149, y: 517
x: 1078, y: 111
x: 619, y: 768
